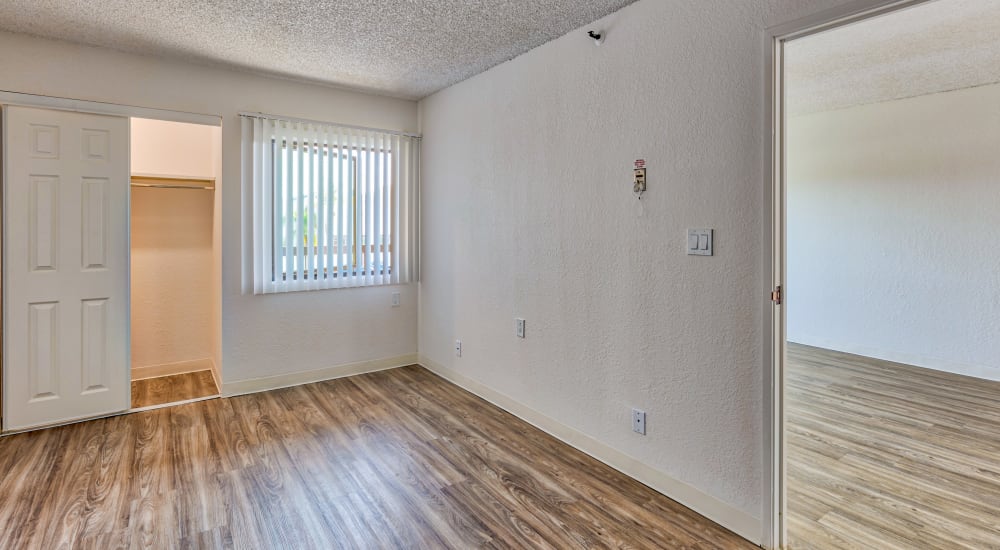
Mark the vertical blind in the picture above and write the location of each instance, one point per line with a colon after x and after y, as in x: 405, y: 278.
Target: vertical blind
x: 333, y: 206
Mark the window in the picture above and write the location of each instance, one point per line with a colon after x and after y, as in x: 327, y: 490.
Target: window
x: 332, y: 206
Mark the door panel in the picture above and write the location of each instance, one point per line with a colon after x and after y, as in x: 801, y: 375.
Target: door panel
x: 65, y: 275
x: 95, y: 346
x: 43, y: 225
x: 95, y: 229
x: 43, y: 351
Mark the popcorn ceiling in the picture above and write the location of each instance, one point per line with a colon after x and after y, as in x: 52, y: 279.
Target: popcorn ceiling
x: 405, y: 48
x: 930, y: 48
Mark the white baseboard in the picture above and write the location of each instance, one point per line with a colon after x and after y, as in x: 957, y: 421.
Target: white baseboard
x: 167, y: 369
x: 933, y: 363
x: 253, y: 385
x: 735, y: 520
x: 216, y: 375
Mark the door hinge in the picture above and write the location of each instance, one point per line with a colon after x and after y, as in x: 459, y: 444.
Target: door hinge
x: 776, y: 295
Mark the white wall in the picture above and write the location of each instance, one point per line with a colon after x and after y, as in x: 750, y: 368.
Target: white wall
x: 217, y: 268
x: 528, y: 211
x: 262, y: 335
x: 159, y: 147
x: 173, y: 283
x: 893, y: 230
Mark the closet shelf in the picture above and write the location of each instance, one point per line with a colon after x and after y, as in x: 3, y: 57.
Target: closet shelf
x: 159, y: 181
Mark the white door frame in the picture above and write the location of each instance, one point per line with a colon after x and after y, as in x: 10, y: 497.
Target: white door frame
x: 773, y: 264
x: 8, y: 97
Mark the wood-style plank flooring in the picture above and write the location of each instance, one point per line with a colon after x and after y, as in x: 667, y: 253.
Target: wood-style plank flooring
x: 884, y: 455
x: 394, y: 459
x: 173, y: 388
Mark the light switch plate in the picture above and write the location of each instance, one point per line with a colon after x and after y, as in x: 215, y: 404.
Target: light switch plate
x: 699, y: 242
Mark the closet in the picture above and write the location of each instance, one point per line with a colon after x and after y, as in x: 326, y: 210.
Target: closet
x: 111, y: 273
x: 174, y: 261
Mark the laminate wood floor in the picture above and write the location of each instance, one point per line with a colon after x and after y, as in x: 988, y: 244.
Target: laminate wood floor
x: 173, y: 388
x: 394, y: 459
x: 882, y: 455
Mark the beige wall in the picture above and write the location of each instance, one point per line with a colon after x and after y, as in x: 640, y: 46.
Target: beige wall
x: 172, y: 282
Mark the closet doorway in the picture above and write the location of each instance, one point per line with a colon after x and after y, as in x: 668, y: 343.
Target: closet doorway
x: 174, y: 262
x: 111, y: 248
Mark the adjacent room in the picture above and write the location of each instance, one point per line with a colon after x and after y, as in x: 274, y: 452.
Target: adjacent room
x: 500, y: 274
x: 893, y: 291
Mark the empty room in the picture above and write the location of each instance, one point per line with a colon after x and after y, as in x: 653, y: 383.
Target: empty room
x: 893, y: 360
x: 499, y: 274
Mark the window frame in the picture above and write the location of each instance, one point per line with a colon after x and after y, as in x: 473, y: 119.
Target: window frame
x: 370, y: 241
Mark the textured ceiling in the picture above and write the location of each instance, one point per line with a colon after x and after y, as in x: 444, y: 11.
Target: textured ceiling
x: 934, y: 47
x: 406, y: 48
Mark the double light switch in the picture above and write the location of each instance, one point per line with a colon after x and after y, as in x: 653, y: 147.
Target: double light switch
x: 699, y: 242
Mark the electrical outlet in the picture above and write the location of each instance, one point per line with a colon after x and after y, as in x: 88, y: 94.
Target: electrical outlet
x: 458, y: 348
x: 639, y: 421
x: 519, y: 328
x: 395, y: 299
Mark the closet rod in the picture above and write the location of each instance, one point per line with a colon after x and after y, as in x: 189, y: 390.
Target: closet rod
x: 168, y: 186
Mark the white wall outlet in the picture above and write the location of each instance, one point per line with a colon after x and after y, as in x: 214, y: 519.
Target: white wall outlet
x: 458, y: 348
x: 395, y: 299
x: 639, y: 421
x: 519, y: 328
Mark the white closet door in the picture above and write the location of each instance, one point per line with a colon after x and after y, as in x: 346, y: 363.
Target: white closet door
x: 66, y: 269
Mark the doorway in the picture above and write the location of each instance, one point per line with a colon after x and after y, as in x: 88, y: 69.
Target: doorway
x: 173, y: 261
x: 884, y: 375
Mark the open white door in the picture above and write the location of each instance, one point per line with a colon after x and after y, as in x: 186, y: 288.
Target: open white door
x: 66, y: 269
